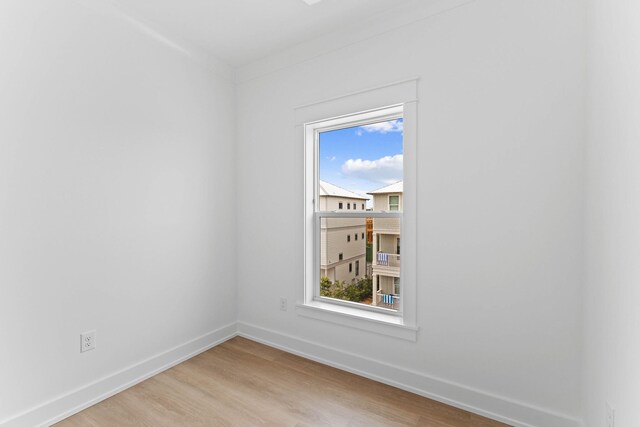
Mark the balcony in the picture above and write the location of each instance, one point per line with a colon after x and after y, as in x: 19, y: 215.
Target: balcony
x: 391, y: 301
x: 387, y: 260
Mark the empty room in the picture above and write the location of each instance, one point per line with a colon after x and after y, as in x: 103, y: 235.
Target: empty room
x: 320, y: 213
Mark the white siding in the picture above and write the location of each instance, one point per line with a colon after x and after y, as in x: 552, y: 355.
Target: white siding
x: 333, y: 240
x: 332, y: 203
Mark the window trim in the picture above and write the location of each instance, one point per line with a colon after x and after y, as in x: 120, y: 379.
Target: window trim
x: 372, y: 100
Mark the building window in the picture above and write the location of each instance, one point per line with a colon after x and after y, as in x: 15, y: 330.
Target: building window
x: 346, y: 135
x: 340, y: 205
x: 394, y: 203
x: 350, y: 267
x: 348, y: 237
x: 340, y: 256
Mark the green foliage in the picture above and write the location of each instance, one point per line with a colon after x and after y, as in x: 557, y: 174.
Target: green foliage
x: 355, y: 291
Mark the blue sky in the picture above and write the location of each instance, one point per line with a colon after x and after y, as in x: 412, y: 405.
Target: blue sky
x: 362, y: 158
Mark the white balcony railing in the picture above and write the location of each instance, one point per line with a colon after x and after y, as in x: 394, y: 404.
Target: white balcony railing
x: 387, y: 260
x: 388, y: 300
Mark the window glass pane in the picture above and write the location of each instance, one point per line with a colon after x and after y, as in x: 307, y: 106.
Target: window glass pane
x: 375, y: 280
x: 361, y: 165
x: 357, y: 163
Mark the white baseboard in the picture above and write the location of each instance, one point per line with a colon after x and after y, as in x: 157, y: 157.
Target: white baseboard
x: 477, y: 401
x: 75, y: 401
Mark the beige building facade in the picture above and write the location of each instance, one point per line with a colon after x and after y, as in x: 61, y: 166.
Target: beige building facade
x: 386, y: 247
x: 342, y: 240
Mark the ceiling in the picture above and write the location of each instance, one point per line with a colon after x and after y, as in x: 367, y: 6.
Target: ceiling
x: 242, y: 31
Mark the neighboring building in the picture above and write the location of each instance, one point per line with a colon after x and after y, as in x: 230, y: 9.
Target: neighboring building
x: 342, y: 240
x: 386, y: 247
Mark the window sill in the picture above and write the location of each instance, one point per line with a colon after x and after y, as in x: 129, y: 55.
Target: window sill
x: 379, y: 323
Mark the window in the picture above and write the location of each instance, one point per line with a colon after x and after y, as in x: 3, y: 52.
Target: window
x: 394, y: 203
x: 340, y: 256
x: 395, y: 130
x: 340, y: 205
x: 364, y: 139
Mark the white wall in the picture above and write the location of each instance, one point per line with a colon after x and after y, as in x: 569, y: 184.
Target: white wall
x: 116, y: 203
x: 499, y: 192
x: 612, y: 314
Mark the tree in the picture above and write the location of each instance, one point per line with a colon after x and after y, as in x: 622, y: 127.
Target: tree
x: 356, y: 291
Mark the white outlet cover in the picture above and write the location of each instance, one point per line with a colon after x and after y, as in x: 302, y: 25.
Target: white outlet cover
x: 87, y: 341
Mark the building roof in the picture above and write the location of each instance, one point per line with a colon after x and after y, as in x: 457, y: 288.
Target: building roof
x: 327, y: 189
x: 393, y: 188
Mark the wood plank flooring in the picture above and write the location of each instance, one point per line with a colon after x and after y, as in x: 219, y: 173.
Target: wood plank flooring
x: 243, y: 383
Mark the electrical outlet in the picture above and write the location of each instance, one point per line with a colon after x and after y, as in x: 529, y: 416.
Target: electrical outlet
x: 283, y: 304
x: 611, y: 416
x: 87, y: 341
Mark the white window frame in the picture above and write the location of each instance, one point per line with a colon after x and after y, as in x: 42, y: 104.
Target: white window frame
x: 340, y: 112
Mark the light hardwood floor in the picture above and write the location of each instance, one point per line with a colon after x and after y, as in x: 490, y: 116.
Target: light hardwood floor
x: 243, y: 383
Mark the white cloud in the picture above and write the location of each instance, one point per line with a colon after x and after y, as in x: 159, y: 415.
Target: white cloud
x: 331, y: 159
x: 385, y: 170
x: 382, y: 127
